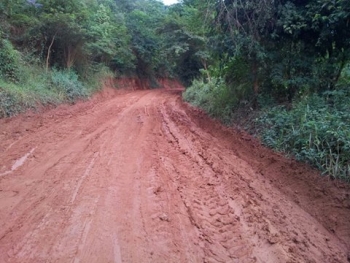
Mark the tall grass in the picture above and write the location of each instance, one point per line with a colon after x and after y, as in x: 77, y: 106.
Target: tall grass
x: 24, y: 83
x: 214, y: 97
x: 316, y: 130
x: 53, y: 88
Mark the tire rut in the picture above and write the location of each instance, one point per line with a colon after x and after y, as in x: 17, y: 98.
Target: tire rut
x: 207, y: 207
x: 141, y: 177
x: 222, y: 187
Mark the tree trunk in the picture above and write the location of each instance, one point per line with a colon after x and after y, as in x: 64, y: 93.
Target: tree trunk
x: 206, y: 70
x: 49, y: 53
x: 69, y: 56
x: 340, y: 69
x: 256, y: 86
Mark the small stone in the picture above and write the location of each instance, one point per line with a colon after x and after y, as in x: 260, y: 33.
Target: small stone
x: 157, y: 190
x: 164, y: 217
x: 296, y: 240
x: 272, y: 240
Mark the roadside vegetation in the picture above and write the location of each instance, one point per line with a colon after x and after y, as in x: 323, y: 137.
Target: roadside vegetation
x: 316, y: 129
x: 283, y: 66
x: 54, y: 51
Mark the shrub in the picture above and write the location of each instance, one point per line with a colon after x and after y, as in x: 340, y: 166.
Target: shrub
x: 14, y: 99
x: 39, y: 87
x: 315, y: 130
x: 93, y: 75
x: 8, y: 104
x: 67, y: 83
x: 214, y: 97
x: 9, y: 61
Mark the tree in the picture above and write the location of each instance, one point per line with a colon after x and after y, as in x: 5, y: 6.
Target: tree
x: 108, y: 40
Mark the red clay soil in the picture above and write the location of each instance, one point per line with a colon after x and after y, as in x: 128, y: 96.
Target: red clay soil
x: 140, y: 176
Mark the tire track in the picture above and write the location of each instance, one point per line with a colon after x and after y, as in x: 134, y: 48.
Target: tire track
x: 241, y: 208
x: 144, y: 178
x: 207, y: 207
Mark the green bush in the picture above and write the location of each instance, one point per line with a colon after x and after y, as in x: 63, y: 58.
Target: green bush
x: 38, y: 87
x: 92, y: 76
x: 67, y: 83
x: 214, y: 97
x: 8, y: 104
x: 315, y: 130
x: 9, y: 61
x: 15, y: 98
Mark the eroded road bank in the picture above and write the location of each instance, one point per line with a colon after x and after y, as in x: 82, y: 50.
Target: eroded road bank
x: 142, y: 177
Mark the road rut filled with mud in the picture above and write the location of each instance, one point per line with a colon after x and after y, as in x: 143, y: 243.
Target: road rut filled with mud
x: 140, y: 176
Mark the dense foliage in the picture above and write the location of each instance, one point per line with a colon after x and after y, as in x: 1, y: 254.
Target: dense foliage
x: 289, y: 60
x: 315, y: 130
x: 53, y: 51
x: 283, y: 48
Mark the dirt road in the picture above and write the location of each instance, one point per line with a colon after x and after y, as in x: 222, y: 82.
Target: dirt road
x: 142, y: 177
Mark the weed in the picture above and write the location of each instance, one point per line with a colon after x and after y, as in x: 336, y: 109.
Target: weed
x: 315, y: 130
x: 214, y: 97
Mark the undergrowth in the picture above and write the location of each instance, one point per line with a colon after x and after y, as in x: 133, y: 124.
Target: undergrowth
x: 213, y: 96
x: 314, y: 129
x: 24, y: 83
x: 33, y: 86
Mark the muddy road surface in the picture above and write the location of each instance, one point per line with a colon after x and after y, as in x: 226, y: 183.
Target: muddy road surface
x: 140, y: 176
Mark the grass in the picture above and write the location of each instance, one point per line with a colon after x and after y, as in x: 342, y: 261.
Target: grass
x: 51, y: 88
x: 315, y: 129
x: 214, y: 97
